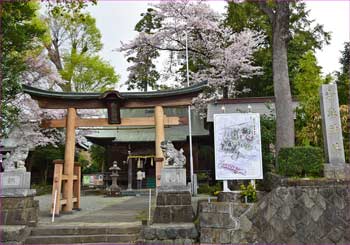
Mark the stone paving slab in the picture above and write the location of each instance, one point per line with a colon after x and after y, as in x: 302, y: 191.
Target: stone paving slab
x: 96, y: 209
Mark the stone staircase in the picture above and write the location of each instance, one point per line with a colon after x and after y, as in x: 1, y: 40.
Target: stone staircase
x: 75, y: 234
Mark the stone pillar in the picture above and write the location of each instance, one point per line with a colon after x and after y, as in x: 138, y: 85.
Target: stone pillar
x: 335, y: 166
x: 68, y: 168
x: 160, y: 136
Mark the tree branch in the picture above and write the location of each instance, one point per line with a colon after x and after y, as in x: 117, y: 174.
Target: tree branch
x: 267, y: 10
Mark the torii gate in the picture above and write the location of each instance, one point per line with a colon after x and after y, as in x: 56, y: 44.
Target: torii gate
x: 113, y: 101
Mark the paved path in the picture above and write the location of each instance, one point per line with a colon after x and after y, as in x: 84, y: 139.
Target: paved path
x: 97, y: 209
x: 103, y: 210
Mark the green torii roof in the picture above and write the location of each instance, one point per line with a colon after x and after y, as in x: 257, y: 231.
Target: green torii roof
x: 127, y: 95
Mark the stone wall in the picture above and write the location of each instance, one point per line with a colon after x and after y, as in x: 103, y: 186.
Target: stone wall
x: 298, y: 212
x: 19, y: 211
x: 182, y: 233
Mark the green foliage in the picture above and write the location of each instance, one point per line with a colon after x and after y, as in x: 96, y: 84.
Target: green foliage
x: 73, y: 48
x: 344, y: 115
x: 42, y: 189
x: 42, y: 159
x: 143, y: 73
x: 20, y: 32
x: 211, y: 190
x: 249, y: 192
x: 343, y: 77
x: 268, y: 139
x: 89, y: 73
x: 202, y: 176
x: 98, y: 157
x: 67, y: 8
x: 148, y: 23
x: 307, y: 84
x: 308, y: 79
x: 300, y: 161
x: 305, y: 36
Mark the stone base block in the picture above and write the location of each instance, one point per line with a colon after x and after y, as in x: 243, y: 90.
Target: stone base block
x: 13, y: 234
x: 15, y: 180
x: 17, y: 192
x: 173, y: 207
x: 173, y: 214
x: 183, y: 233
x: 234, y: 196
x: 19, y: 211
x: 337, y: 171
x: 171, y: 176
x: 215, y: 236
x: 173, y: 198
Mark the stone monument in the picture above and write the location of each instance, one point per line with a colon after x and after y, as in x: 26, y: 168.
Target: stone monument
x: 18, y: 204
x: 173, y: 195
x: 335, y: 167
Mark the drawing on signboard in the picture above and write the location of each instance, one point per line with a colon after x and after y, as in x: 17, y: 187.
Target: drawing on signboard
x: 237, y: 146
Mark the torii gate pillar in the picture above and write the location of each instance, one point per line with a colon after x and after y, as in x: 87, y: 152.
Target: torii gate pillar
x: 159, y: 124
x: 69, y: 152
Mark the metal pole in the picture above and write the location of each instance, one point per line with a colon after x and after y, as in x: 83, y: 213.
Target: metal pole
x: 149, y: 206
x: 252, y: 181
x: 54, y: 207
x: 189, y: 118
x: 129, y: 162
x: 225, y: 182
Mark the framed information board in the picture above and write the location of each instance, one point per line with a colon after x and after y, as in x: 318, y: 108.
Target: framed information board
x: 237, y: 141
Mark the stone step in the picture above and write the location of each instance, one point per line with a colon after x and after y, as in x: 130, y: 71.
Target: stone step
x: 71, y: 239
x: 84, y: 230
x: 143, y: 192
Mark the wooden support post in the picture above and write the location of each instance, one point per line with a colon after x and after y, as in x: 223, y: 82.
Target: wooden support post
x: 68, y: 168
x: 77, y: 185
x: 159, y: 124
x: 56, y: 187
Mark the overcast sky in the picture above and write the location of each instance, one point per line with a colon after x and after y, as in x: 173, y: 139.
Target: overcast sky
x: 116, y: 20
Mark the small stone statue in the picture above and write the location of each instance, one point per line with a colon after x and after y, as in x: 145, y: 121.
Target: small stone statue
x: 8, y: 163
x: 20, y: 166
x: 17, y: 157
x: 173, y: 157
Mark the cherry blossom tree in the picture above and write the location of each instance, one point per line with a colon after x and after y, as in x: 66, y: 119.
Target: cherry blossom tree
x: 41, y: 73
x: 27, y: 132
x: 216, y: 54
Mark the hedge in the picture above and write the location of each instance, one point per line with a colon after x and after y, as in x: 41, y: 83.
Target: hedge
x: 300, y: 161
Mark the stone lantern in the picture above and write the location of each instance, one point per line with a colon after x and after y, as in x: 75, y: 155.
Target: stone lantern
x: 114, y: 188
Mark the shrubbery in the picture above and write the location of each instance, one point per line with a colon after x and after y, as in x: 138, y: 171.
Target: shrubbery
x: 211, y: 190
x: 300, y: 161
x: 268, y: 139
x: 249, y: 192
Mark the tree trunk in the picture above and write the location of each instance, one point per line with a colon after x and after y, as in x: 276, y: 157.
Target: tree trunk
x: 225, y: 92
x: 145, y: 87
x: 54, y: 55
x: 283, y: 103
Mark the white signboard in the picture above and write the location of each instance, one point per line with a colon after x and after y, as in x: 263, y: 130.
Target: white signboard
x: 237, y: 146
